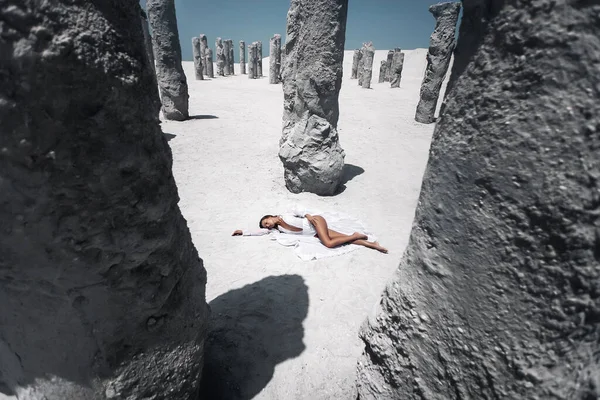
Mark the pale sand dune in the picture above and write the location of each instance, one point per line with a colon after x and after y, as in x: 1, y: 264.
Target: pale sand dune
x: 229, y: 175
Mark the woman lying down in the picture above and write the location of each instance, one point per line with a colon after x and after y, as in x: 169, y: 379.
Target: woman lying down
x: 315, y: 235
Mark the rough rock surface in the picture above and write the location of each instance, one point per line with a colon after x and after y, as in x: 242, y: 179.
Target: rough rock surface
x: 355, y: 62
x: 101, y: 288
x: 275, y: 59
x: 282, y: 64
x: 242, y: 57
x: 148, y: 40
x: 309, y: 147
x: 197, y: 55
x: 367, y: 64
x: 210, y: 69
x: 259, y: 60
x: 172, y: 82
x: 220, y: 57
x: 389, y: 60
x: 361, y: 62
x: 498, y: 293
x: 227, y: 55
x: 441, y: 45
x: 231, y: 58
x: 203, y: 53
x: 252, y: 61
x: 397, y: 67
x: 382, y: 71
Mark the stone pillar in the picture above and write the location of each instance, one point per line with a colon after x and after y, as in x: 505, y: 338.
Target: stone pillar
x: 209, y: 63
x: 220, y: 57
x: 203, y: 48
x: 231, y: 58
x: 259, y: 59
x: 368, y: 55
x: 252, y: 61
x: 497, y: 295
x: 148, y: 40
x: 242, y: 57
x: 361, y: 64
x: 355, y: 61
x: 227, y: 55
x: 281, y: 67
x: 171, y: 79
x: 309, y: 147
x: 441, y: 45
x: 101, y: 289
x: 397, y: 66
x: 382, y: 71
x: 275, y: 59
x: 197, y: 55
x: 389, y: 60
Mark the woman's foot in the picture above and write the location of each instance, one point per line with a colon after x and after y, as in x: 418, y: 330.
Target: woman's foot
x: 359, y: 236
x: 380, y: 248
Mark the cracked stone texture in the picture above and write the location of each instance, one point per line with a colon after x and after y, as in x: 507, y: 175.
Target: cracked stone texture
x: 355, y: 61
x: 441, y: 45
x: 209, y: 63
x: 203, y: 53
x: 197, y: 55
x: 252, y: 60
x: 498, y: 293
x: 397, y: 67
x: 259, y: 60
x: 382, y: 71
x: 102, y: 290
x: 361, y: 62
x: 172, y: 82
x: 242, y: 57
x: 309, y: 147
x: 220, y: 57
x: 227, y: 55
x: 275, y: 59
x: 367, y: 65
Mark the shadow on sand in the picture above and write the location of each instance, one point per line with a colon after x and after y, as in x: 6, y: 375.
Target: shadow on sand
x: 253, y: 329
x: 348, y: 173
x: 169, y: 136
x: 203, y: 117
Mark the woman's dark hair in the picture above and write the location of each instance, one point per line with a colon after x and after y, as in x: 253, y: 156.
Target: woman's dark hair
x: 262, y: 219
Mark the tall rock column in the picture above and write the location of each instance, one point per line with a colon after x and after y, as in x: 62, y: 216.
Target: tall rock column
x: 309, y: 147
x: 231, y: 58
x: 361, y: 64
x: 441, y: 45
x: 498, y: 293
x: 197, y: 55
x: 355, y: 62
x: 203, y: 53
x: 101, y: 289
x: 282, y: 64
x: 252, y: 61
x: 275, y: 59
x: 209, y: 63
x: 172, y: 82
x: 148, y: 40
x: 397, y: 67
x: 389, y: 60
x: 227, y: 57
x: 259, y: 60
x: 242, y: 57
x: 368, y: 55
x: 382, y: 71
x: 220, y: 57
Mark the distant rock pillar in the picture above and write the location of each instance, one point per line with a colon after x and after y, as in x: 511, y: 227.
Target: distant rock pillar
x: 148, y: 41
x: 275, y: 59
x: 197, y: 54
x: 282, y: 66
x: 171, y: 79
x: 203, y: 48
x: 361, y: 65
x: 397, y: 66
x: 389, y: 60
x: 227, y: 56
x: 441, y: 45
x: 259, y: 61
x: 309, y: 147
x: 220, y: 57
x: 231, y: 58
x: 209, y: 63
x: 252, y: 61
x: 242, y: 57
x: 382, y: 71
x: 369, y: 54
x: 355, y: 62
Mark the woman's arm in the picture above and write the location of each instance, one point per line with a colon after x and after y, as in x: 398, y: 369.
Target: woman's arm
x: 258, y: 232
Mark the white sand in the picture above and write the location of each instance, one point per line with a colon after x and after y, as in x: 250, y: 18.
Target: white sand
x: 229, y: 175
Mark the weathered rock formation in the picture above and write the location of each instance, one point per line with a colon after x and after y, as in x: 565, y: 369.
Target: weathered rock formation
x: 397, y: 67
x: 361, y: 63
x: 148, y: 40
x: 275, y: 59
x: 259, y: 60
x: 441, y: 45
x: 355, y: 62
x: 382, y: 71
x: 203, y: 53
x: 209, y: 63
x: 197, y: 55
x: 231, y: 58
x: 101, y: 288
x: 242, y: 57
x: 367, y: 64
x: 220, y: 57
x: 309, y: 147
x: 252, y: 61
x: 227, y: 55
x: 498, y: 293
x: 282, y: 63
x: 389, y: 60
x: 172, y: 82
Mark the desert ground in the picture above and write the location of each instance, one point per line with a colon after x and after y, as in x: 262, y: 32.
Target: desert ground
x: 284, y: 328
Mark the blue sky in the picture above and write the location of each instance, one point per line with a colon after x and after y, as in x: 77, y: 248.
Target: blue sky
x: 387, y: 23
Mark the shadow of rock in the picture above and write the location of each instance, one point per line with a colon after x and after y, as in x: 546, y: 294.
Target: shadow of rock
x: 348, y: 173
x: 253, y: 329
x: 169, y: 136
x: 203, y: 117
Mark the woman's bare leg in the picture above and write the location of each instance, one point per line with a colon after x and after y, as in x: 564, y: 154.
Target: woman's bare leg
x: 360, y: 242
x: 323, y: 234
